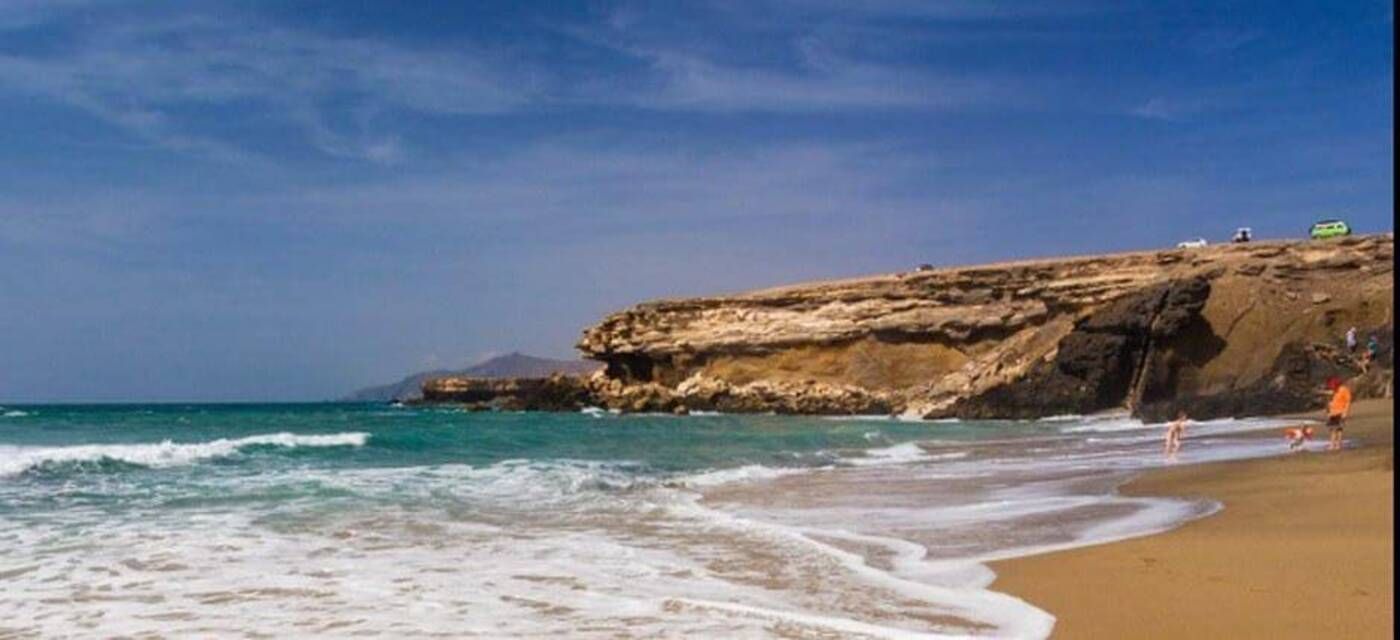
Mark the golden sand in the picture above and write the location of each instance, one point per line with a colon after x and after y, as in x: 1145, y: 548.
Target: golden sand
x: 1303, y: 549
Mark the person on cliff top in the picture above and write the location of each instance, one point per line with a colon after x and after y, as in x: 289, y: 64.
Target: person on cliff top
x: 1176, y: 429
x: 1338, y: 410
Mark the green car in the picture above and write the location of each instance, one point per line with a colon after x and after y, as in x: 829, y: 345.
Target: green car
x: 1329, y: 229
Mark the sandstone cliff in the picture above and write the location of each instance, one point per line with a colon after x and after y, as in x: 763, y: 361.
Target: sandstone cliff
x: 1225, y: 330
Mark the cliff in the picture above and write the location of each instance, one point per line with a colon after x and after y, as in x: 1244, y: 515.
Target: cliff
x: 558, y: 392
x: 511, y: 365
x: 1226, y: 330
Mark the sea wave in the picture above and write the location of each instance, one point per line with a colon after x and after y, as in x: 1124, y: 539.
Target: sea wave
x: 1104, y: 425
x: 861, y: 417
x: 545, y: 479
x: 737, y: 474
x: 18, y: 460
x: 1216, y: 426
x: 900, y: 454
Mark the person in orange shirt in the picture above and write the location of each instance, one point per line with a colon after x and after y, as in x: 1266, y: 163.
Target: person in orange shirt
x: 1338, y: 410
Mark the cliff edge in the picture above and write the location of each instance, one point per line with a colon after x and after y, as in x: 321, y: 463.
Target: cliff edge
x: 1227, y: 330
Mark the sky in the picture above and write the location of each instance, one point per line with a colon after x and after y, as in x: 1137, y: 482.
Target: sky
x: 207, y: 201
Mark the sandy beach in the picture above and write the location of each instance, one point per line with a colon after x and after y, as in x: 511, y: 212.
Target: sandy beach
x: 1302, y: 549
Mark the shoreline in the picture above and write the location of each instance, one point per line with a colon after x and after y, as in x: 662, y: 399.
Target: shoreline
x: 1302, y: 548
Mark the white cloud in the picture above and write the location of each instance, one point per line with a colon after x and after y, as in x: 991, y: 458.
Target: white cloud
x: 1155, y: 109
x: 691, y: 82
x: 688, y: 73
x: 625, y: 188
x: 163, y: 78
x: 140, y: 76
x: 1221, y: 41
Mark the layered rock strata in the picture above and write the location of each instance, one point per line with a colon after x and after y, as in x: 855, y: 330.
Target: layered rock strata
x: 1227, y: 330
x: 555, y: 393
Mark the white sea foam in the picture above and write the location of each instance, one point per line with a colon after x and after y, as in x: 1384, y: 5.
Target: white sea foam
x: 14, y: 413
x: 15, y: 460
x: 576, y: 548
x: 863, y: 417
x: 1105, y: 425
x: 900, y: 453
x: 1064, y: 417
x: 1012, y: 617
x: 1222, y: 425
x: 725, y: 476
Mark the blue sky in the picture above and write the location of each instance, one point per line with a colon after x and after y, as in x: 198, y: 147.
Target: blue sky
x: 270, y: 200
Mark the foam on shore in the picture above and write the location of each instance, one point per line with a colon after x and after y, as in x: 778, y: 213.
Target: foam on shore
x: 871, y: 535
x: 17, y: 460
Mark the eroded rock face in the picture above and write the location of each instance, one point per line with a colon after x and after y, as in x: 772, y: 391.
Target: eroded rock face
x: 1101, y: 363
x: 1207, y: 329
x: 704, y: 393
x: 555, y: 393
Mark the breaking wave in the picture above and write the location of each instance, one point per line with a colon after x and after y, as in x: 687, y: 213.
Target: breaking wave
x: 17, y: 460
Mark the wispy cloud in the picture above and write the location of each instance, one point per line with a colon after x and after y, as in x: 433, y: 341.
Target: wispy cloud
x: 576, y: 192
x: 163, y: 78
x: 800, y: 69
x: 1219, y: 41
x: 1158, y: 108
x: 144, y: 77
x: 689, y: 82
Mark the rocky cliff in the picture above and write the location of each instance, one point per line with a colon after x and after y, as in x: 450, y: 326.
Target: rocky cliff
x: 511, y: 365
x: 558, y: 392
x: 1227, y: 330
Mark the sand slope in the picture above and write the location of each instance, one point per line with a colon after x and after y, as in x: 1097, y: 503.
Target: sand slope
x: 1303, y: 549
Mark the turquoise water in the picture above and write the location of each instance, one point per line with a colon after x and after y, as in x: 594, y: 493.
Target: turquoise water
x: 159, y: 443
x: 331, y: 519
x: 177, y: 453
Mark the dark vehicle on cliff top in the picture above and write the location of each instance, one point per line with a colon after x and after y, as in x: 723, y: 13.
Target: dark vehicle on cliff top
x: 1324, y: 229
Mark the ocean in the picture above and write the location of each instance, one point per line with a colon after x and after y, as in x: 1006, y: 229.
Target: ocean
x: 341, y: 520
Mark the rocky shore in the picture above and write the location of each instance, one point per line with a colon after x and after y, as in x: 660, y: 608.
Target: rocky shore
x: 1243, y: 329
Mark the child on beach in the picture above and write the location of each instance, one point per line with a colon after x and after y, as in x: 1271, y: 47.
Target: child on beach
x: 1297, y: 436
x: 1175, y: 430
x: 1338, y: 409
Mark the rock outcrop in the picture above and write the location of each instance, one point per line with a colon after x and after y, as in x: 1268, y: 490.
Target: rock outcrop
x: 511, y: 365
x: 1228, y: 330
x: 556, y: 393
x: 704, y: 393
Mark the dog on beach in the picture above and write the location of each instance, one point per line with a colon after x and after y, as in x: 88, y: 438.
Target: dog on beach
x: 1296, y: 436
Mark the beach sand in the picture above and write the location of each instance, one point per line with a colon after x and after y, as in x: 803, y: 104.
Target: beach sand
x: 1303, y: 549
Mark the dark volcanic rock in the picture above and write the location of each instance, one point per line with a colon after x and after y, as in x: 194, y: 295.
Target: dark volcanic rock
x: 1292, y: 385
x: 1295, y: 382
x: 1097, y: 365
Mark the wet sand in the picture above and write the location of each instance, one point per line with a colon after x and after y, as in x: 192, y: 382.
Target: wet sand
x: 1303, y: 549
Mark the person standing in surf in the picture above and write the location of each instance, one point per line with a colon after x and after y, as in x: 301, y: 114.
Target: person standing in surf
x: 1176, y: 429
x: 1338, y: 410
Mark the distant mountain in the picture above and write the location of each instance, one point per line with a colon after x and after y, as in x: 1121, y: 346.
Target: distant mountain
x: 511, y: 365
